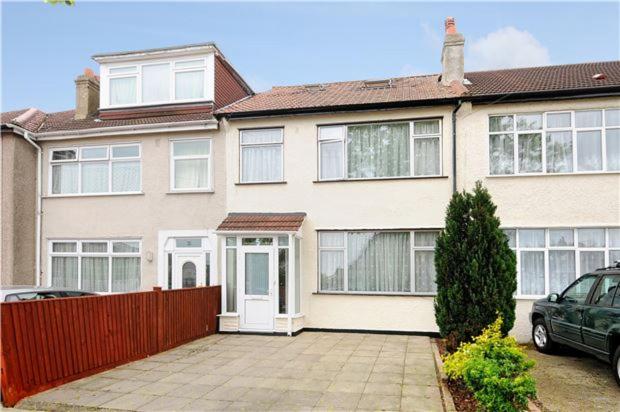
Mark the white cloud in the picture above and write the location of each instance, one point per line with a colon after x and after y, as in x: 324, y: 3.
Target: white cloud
x: 506, y: 48
x: 431, y: 35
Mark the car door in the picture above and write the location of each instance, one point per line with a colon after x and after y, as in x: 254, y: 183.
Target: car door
x: 600, y: 315
x: 567, y: 314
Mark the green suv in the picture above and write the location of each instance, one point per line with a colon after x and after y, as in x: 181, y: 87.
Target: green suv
x: 586, y: 316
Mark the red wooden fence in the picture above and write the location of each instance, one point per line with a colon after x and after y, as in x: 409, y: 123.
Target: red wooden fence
x: 46, y: 343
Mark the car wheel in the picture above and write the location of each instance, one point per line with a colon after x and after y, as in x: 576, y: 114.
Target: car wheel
x: 540, y: 336
x: 615, y: 365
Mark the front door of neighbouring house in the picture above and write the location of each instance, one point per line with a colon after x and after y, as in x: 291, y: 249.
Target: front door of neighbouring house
x: 188, y: 270
x: 256, y: 288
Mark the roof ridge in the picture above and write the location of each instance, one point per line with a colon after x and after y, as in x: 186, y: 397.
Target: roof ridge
x: 542, y: 67
x: 350, y: 81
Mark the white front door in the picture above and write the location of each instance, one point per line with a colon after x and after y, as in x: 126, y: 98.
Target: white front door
x: 256, y: 288
x: 188, y: 270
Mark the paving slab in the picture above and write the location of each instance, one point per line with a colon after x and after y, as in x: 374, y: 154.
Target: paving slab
x: 313, y: 371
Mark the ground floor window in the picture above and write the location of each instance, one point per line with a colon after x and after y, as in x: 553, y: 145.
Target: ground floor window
x: 96, y: 265
x: 377, y: 261
x: 548, y: 260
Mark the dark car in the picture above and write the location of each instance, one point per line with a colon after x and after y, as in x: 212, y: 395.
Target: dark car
x: 19, y: 293
x: 586, y: 316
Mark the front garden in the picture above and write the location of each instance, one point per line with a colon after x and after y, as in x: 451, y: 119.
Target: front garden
x: 475, y: 309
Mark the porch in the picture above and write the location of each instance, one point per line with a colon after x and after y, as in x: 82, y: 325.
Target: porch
x: 261, y: 272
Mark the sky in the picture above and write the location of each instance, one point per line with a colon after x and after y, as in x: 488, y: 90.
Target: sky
x: 44, y: 47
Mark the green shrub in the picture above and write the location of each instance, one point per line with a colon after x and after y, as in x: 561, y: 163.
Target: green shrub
x: 495, y: 369
x: 476, y: 269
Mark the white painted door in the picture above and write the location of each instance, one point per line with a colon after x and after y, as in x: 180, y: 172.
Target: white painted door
x: 189, y: 270
x: 256, y: 289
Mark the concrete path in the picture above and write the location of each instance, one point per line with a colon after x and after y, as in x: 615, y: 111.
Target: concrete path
x: 312, y: 371
x: 573, y: 381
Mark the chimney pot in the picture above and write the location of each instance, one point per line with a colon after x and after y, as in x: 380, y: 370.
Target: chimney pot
x: 86, y: 95
x: 450, y: 25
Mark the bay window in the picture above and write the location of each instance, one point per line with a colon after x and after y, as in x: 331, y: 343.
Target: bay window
x: 380, y: 150
x: 95, y: 265
x: 95, y: 170
x: 555, y: 142
x: 548, y: 260
x: 261, y: 155
x: 155, y: 83
x: 190, y: 164
x: 383, y: 262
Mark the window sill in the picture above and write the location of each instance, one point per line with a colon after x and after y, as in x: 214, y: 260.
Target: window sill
x: 595, y: 173
x: 94, y: 195
x: 185, y: 192
x: 422, y: 295
x: 260, y: 183
x: 379, y: 179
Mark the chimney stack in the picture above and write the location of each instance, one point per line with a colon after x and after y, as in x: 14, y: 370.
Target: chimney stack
x: 86, y: 95
x: 452, y: 55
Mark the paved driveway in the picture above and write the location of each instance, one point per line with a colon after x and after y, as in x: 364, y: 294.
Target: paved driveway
x: 573, y: 381
x: 312, y: 371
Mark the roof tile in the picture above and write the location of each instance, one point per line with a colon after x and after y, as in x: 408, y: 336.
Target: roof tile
x: 288, y: 222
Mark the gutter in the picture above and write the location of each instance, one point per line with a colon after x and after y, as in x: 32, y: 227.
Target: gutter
x: 38, y: 214
x: 456, y: 109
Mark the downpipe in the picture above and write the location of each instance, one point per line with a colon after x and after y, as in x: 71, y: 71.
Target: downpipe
x: 456, y: 109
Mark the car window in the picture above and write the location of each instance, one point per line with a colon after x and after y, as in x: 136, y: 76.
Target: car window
x: 605, y: 291
x: 578, y: 291
x: 77, y: 294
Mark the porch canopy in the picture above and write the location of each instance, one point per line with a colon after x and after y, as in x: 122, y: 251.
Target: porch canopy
x: 261, y: 272
x: 262, y: 222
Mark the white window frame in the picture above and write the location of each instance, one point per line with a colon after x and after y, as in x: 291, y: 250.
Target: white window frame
x: 573, y: 129
x: 202, y: 65
x: 173, y: 158
x: 346, y: 290
x: 547, y: 248
x: 279, y: 144
x: 80, y: 254
x: 79, y: 161
x: 412, y: 138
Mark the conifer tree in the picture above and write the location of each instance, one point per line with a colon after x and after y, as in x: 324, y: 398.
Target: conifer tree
x: 476, y: 269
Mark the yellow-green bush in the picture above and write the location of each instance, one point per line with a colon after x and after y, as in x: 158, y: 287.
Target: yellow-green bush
x: 495, y: 369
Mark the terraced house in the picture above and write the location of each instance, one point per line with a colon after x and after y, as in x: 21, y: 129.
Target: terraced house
x: 314, y: 206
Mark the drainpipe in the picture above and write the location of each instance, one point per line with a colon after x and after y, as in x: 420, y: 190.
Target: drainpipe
x: 456, y: 109
x: 26, y: 135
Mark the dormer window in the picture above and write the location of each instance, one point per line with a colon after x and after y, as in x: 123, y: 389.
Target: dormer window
x: 150, y: 83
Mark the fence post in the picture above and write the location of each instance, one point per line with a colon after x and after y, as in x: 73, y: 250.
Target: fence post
x: 160, y: 317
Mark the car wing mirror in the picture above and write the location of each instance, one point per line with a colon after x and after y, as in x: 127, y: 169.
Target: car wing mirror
x: 553, y: 297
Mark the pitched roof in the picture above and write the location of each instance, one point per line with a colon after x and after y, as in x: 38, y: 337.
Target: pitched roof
x: 269, y: 222
x: 544, y: 79
x: 66, y: 121
x: 428, y: 89
x: 343, y: 94
x: 29, y: 119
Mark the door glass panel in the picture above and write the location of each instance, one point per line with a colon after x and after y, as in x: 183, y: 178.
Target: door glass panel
x: 188, y: 274
x: 579, y: 291
x: 256, y: 273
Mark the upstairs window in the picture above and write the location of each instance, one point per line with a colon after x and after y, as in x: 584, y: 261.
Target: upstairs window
x: 153, y: 83
x: 380, y: 150
x: 555, y: 142
x: 261, y: 155
x: 95, y: 170
x: 191, y: 165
